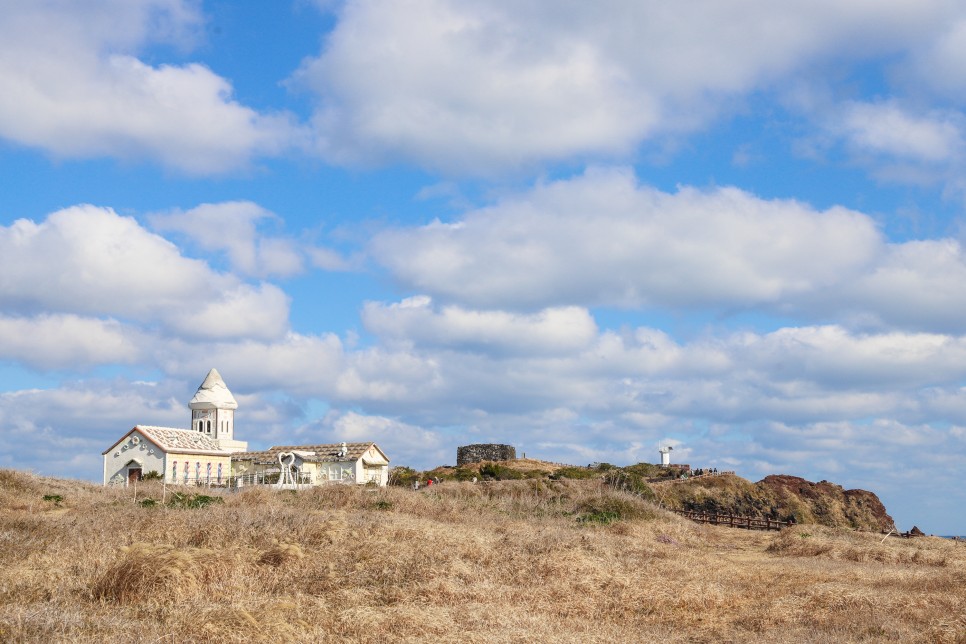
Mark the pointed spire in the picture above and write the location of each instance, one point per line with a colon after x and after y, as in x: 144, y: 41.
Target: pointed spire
x: 213, y: 394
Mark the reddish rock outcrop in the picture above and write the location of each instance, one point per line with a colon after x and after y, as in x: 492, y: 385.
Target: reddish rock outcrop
x: 784, y: 498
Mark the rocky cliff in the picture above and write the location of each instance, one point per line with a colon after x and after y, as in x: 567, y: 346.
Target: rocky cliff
x: 780, y: 497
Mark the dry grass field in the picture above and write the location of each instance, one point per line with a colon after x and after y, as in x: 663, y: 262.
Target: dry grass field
x: 515, y: 561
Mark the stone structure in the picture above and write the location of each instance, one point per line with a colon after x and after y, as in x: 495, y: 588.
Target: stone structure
x: 484, y: 452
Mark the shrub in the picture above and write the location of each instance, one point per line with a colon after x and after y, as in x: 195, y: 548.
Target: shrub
x: 464, y: 474
x: 497, y: 472
x: 599, y: 516
x: 153, y: 475
x: 610, y: 508
x: 193, y: 501
x: 571, y: 472
x: 56, y: 499
x: 651, y: 471
x: 630, y: 482
x: 403, y: 476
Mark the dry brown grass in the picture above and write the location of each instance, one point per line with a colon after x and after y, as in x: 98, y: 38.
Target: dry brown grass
x: 507, y: 562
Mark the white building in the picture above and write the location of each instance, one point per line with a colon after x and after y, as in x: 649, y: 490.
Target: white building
x: 208, y: 454
x: 202, y: 453
x: 314, y: 464
x: 666, y: 456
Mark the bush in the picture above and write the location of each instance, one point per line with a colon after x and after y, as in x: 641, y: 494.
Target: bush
x: 651, y: 471
x: 610, y: 508
x: 193, y: 501
x: 56, y: 499
x: 464, y: 474
x: 497, y: 472
x: 571, y: 472
x: 153, y: 475
x: 630, y: 482
x: 403, y: 476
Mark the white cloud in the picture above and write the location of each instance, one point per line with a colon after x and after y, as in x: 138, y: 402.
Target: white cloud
x: 68, y: 341
x: 551, y: 331
x: 230, y: 227
x: 71, y: 84
x: 90, y: 261
x: 297, y: 364
x: 938, y: 66
x: 487, y: 86
x: 602, y: 239
x: 887, y: 128
x: 916, y: 284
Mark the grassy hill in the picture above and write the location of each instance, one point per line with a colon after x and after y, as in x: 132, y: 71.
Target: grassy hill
x: 779, y: 497
x: 533, y: 560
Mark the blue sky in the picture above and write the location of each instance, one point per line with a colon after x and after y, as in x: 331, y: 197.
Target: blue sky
x: 586, y: 230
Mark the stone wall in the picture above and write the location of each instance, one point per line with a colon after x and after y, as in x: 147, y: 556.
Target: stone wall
x: 484, y: 452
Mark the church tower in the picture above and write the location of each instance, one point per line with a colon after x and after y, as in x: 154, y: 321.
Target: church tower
x: 213, y: 412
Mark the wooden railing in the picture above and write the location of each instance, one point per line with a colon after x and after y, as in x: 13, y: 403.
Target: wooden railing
x: 733, y: 521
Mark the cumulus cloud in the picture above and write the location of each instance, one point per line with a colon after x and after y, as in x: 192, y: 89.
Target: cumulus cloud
x: 71, y: 84
x: 915, y: 285
x: 90, y: 261
x: 231, y: 227
x: 556, y: 330
x: 68, y: 341
x: 489, y: 85
x: 887, y: 128
x: 63, y: 430
x: 306, y: 365
x: 603, y: 239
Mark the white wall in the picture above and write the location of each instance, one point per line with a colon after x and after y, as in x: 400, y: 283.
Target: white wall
x: 134, y: 447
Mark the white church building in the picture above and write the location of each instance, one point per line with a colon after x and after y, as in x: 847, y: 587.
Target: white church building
x: 208, y: 454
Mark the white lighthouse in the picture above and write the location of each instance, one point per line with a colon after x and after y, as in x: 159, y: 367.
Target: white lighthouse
x: 666, y: 456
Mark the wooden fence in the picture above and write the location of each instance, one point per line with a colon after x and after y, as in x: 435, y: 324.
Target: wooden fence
x: 733, y: 521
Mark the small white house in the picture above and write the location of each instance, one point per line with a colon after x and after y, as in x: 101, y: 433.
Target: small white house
x: 358, y: 463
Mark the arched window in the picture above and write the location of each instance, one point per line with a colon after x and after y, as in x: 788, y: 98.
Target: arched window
x: 208, y: 426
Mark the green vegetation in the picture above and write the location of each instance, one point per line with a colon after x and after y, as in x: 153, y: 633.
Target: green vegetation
x: 572, y: 472
x: 193, y: 501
